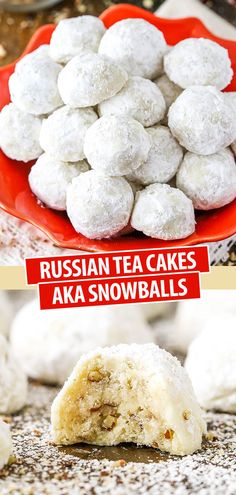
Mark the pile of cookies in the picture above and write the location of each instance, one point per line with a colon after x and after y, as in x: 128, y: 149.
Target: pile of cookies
x: 128, y: 132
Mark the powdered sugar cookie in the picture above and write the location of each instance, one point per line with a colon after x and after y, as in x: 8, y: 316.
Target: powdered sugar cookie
x: 33, y: 85
x: 73, y: 36
x: 6, y: 313
x: 198, y: 61
x: 163, y: 159
x: 136, y: 45
x: 116, y: 145
x: 170, y: 92
x: 99, y: 206
x: 209, y: 181
x: 19, y: 134
x: 13, y: 381
x: 60, y: 338
x: 90, y: 78
x: 111, y: 398
x: 211, y: 366
x: 6, y: 446
x: 140, y: 99
x: 49, y: 179
x: 62, y: 133
x: 202, y: 120
x: 170, y: 213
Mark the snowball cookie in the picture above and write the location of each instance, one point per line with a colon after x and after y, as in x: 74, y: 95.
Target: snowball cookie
x: 202, y: 120
x: 33, y: 85
x: 13, y: 381
x: 60, y: 338
x: 62, y: 133
x: 136, y: 45
x: 75, y: 35
x: 6, y: 446
x: 90, y: 78
x: 153, y: 311
x: 209, y: 181
x: 170, y: 90
x: 116, y: 145
x: 6, y: 313
x: 163, y: 159
x: 99, y: 206
x: 198, y: 61
x: 170, y: 213
x: 211, y: 364
x: 19, y: 134
x: 192, y: 315
x: 111, y: 398
x: 140, y: 99
x: 49, y: 179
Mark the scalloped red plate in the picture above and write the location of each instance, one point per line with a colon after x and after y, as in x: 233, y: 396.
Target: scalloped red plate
x: 17, y: 199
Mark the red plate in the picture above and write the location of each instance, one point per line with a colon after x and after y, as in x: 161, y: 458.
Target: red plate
x: 17, y: 199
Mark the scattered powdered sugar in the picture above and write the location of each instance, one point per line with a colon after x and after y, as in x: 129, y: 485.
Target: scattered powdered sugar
x: 39, y: 468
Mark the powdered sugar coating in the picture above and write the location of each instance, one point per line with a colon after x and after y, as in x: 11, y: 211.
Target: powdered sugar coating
x: 137, y: 46
x: 13, y: 381
x: 62, y: 133
x: 211, y: 366
x: 170, y: 92
x: 19, y: 134
x: 163, y: 159
x: 116, y: 145
x: 149, y: 403
x: 209, y: 181
x: 99, y: 206
x: 163, y: 212
x: 198, y: 61
x: 6, y: 446
x: 139, y: 99
x: 75, y: 35
x: 6, y: 313
x: 50, y: 177
x: 60, y: 338
x: 33, y: 85
x: 202, y: 121
x: 90, y: 78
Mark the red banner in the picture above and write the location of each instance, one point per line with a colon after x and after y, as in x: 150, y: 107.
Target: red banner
x: 117, y: 264
x: 122, y: 290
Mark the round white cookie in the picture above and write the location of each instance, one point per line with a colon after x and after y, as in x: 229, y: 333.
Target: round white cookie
x: 209, y: 181
x: 19, y: 134
x: 153, y: 311
x: 170, y: 213
x: 6, y: 446
x: 137, y: 46
x: 13, y: 381
x: 116, y: 145
x: 163, y: 159
x: 63, y: 132
x: 129, y: 393
x: 90, y: 78
x: 33, y: 85
x: 49, y: 179
x: 99, y: 206
x: 211, y: 364
x: 61, y: 337
x: 192, y: 315
x: 75, y: 35
x: 198, y: 61
x: 140, y: 99
x: 6, y: 313
x: 202, y: 120
x: 170, y: 90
